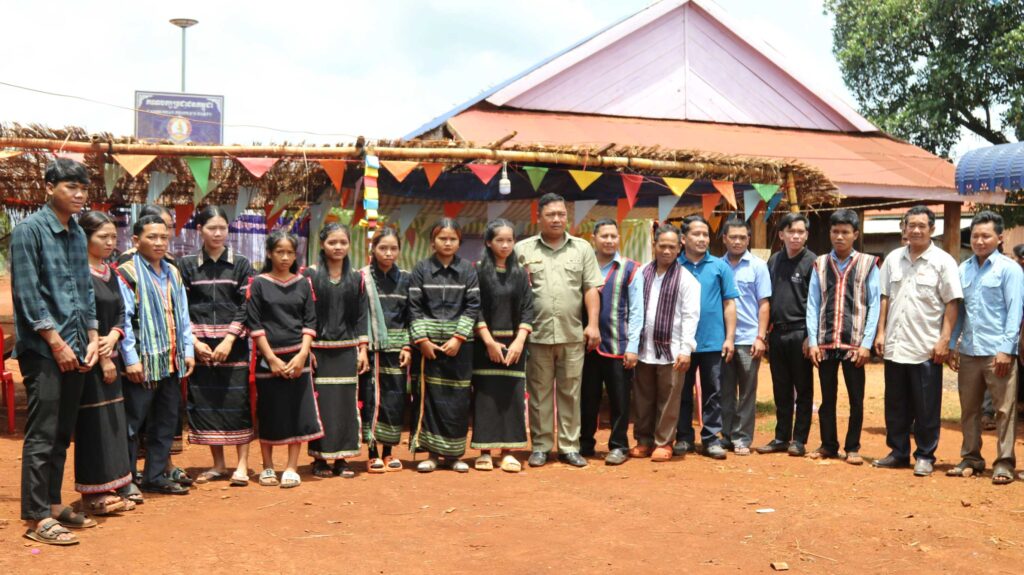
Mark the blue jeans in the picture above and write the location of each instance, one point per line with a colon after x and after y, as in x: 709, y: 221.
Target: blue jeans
x: 710, y: 365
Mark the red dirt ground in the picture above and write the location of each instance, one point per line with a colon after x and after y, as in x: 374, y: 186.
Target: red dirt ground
x: 693, y: 515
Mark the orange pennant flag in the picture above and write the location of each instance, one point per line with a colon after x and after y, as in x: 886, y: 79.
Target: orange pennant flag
x: 399, y: 169
x: 708, y: 202
x: 134, y: 164
x: 584, y: 179
x: 632, y: 184
x: 485, y: 172
x: 534, y: 212
x: 257, y: 166
x: 452, y: 209
x: 621, y: 209
x: 433, y: 172
x: 182, y: 213
x: 335, y: 170
x: 727, y: 191
x: 4, y: 154
x: 716, y: 220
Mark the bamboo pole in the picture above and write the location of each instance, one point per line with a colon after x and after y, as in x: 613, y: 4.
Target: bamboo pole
x: 340, y: 152
x: 794, y: 203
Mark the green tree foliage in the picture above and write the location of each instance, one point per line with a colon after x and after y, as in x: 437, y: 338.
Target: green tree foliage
x: 923, y: 69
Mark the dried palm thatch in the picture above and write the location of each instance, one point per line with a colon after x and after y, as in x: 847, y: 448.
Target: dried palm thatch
x: 298, y: 175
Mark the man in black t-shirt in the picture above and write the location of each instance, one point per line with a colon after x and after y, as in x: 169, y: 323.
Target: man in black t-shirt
x: 790, y: 270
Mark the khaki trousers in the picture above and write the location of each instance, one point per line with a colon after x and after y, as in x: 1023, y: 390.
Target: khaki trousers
x: 977, y: 373
x: 656, y: 395
x: 553, y: 374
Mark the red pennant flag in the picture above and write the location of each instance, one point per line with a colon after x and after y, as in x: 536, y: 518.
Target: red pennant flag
x: 632, y: 184
x: 345, y: 195
x: 335, y: 170
x: 485, y: 171
x: 101, y: 207
x: 621, y: 209
x: 533, y: 212
x: 182, y: 214
x: 452, y: 209
x: 410, y: 236
x: 358, y: 215
x: 257, y: 166
x: 727, y: 191
x: 708, y: 202
x: 433, y: 172
x: 271, y: 217
x: 399, y: 169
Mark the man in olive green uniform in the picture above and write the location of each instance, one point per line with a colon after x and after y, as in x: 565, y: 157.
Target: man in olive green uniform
x: 565, y: 277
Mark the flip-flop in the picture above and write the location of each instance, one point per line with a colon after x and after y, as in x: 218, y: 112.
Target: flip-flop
x: 49, y: 531
x: 343, y: 469
x: 68, y: 518
x: 132, y: 494
x: 290, y: 479
x: 208, y: 476
x: 963, y: 469
x: 239, y: 479
x: 1002, y: 476
x: 392, y: 464
x: 321, y: 469
x: 268, y: 478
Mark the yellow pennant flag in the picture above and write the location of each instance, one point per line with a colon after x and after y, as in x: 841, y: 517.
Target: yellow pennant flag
x: 678, y: 185
x: 584, y: 179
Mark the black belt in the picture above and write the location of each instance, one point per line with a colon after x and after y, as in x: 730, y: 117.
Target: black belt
x: 789, y: 326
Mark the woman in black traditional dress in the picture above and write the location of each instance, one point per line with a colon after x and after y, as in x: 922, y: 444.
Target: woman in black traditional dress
x: 384, y: 387
x: 444, y: 301
x: 216, y: 279
x: 101, y: 446
x: 339, y: 351
x: 499, y: 363
x: 281, y: 315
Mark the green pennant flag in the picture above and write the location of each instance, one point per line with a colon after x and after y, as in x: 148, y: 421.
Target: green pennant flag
x: 766, y: 191
x: 198, y: 194
x: 200, y: 167
x: 536, y: 175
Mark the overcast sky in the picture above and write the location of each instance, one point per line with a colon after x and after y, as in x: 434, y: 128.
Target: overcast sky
x: 325, y: 72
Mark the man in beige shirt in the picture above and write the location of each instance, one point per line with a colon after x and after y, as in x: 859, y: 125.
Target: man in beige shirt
x: 565, y: 277
x: 920, y: 287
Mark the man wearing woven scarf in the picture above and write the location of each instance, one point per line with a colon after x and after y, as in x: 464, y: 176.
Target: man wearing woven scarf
x: 157, y: 350
x: 672, y: 303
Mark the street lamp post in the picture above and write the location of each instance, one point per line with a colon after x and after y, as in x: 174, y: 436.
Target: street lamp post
x: 183, y: 23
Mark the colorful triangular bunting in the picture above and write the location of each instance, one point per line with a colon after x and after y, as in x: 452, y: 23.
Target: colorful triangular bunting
x: 678, y: 185
x: 200, y: 168
x: 725, y: 188
x: 335, y: 171
x: 111, y: 174
x: 399, y: 169
x: 708, y: 203
x: 534, y: 212
x: 452, y: 209
x: 432, y: 171
x: 772, y: 204
x: 584, y: 179
x: 245, y: 193
x: 134, y: 164
x: 158, y: 182
x: 631, y: 183
x: 665, y: 205
x: 257, y: 166
x: 495, y: 209
x: 580, y: 210
x: 485, y: 172
x: 182, y: 213
x: 621, y: 210
x: 198, y: 195
x: 766, y: 191
x: 406, y: 214
x: 536, y: 175
x: 750, y: 201
x: 716, y: 220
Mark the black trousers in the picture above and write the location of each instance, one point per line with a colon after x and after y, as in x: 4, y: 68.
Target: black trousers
x: 710, y: 365
x: 913, y: 401
x: 610, y: 373
x: 155, y: 408
x: 53, y: 399
x: 828, y: 374
x: 792, y: 382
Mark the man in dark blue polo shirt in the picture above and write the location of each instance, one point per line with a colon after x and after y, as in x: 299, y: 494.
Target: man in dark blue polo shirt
x: 716, y: 331
x: 55, y: 322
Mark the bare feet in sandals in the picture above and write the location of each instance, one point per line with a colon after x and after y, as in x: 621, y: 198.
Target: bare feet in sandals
x: 51, y: 532
x: 103, y: 504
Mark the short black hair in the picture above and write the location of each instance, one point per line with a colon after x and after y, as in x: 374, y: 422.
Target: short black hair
x: 1018, y: 250
x: 694, y: 219
x: 734, y: 221
x: 141, y: 223
x: 844, y: 216
x: 666, y: 229
x: 792, y: 218
x: 918, y: 211
x: 605, y: 222
x: 986, y: 217
x: 209, y: 212
x: 66, y: 170
x: 548, y: 198
x: 154, y: 210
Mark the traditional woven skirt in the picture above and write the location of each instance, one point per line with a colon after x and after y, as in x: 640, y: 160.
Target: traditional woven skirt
x: 444, y: 401
x: 218, y: 399
x: 499, y: 400
x: 337, y: 395
x: 384, y: 394
x: 286, y: 409
x: 101, y: 436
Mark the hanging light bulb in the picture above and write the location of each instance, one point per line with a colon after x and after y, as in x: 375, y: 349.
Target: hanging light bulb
x: 504, y: 184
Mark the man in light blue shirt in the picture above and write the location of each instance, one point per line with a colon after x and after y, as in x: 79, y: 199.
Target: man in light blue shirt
x: 611, y: 364
x: 739, y: 376
x: 842, y: 317
x: 984, y: 347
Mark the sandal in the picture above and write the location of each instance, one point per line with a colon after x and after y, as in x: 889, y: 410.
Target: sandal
x: 822, y: 454
x: 376, y: 465
x: 854, y: 458
x: 208, y: 476
x: 181, y: 477
x: 290, y: 479
x: 239, y: 479
x: 51, y: 532
x: 484, y: 463
x: 510, y: 464
x: 268, y: 478
x: 321, y: 469
x: 103, y: 505
x: 392, y: 464
x: 1002, y: 476
x: 131, y: 494
x: 964, y: 469
x: 68, y: 518
x: 343, y: 470
x: 427, y: 465
x: 457, y: 465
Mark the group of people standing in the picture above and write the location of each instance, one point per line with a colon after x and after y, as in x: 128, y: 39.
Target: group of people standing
x: 523, y: 342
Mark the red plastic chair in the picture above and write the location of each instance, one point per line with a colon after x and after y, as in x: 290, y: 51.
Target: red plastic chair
x: 7, y: 380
